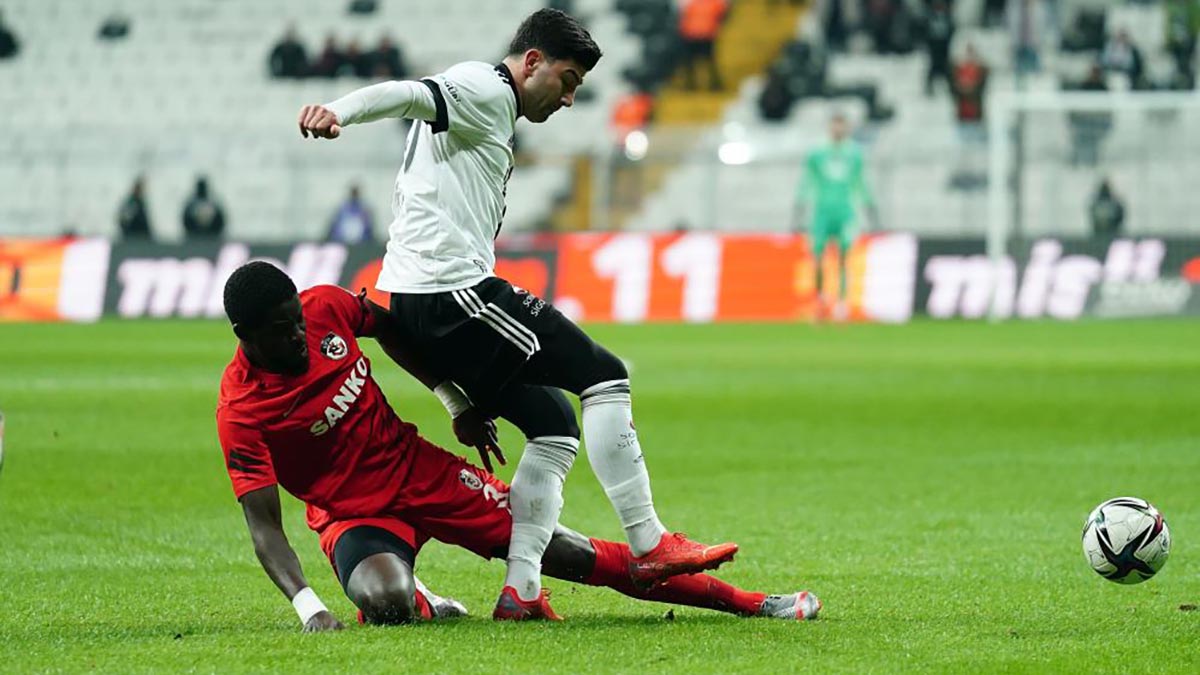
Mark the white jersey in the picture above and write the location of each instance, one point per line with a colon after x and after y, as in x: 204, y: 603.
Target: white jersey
x: 448, y: 203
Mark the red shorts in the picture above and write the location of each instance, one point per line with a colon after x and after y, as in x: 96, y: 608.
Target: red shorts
x: 444, y: 498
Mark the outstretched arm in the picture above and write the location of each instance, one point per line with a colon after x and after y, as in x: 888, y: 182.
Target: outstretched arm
x: 263, y: 517
x: 407, y: 99
x: 471, y: 427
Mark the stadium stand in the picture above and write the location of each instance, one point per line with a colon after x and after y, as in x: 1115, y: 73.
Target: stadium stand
x: 926, y: 177
x: 188, y: 91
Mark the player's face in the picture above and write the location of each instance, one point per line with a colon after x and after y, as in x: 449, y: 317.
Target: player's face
x: 279, y: 344
x: 838, y: 129
x: 551, y: 86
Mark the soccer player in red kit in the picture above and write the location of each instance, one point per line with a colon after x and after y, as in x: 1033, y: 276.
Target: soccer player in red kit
x: 299, y: 408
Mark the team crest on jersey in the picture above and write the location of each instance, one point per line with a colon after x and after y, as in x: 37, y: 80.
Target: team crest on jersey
x: 334, y: 347
x: 470, y: 480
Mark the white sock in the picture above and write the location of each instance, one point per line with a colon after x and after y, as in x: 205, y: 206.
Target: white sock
x: 616, y: 459
x: 536, y: 501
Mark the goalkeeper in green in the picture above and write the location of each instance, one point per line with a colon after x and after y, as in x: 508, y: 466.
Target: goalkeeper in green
x: 833, y: 180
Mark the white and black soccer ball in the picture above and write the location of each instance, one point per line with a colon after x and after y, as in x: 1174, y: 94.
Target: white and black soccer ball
x: 1126, y: 540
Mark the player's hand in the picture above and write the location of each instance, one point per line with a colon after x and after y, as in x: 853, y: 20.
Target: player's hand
x: 321, y: 622
x: 475, y: 430
x: 319, y: 121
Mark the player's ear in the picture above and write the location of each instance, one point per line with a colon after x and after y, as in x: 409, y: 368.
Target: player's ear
x: 532, y: 58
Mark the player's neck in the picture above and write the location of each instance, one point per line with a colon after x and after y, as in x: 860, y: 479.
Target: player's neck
x: 513, y: 63
x: 255, y: 360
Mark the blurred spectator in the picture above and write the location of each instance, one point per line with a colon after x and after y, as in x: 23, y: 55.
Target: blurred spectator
x: 132, y: 218
x: 1086, y: 34
x: 1088, y: 129
x: 879, y: 17
x: 939, y: 31
x: 891, y: 26
x: 115, y: 27
x: 993, y: 13
x: 1182, y: 80
x: 1027, y: 21
x: 836, y: 29
x: 1183, y: 25
x: 387, y: 61
x: 1107, y: 211
x: 9, y: 46
x: 288, y: 58
x: 330, y: 60
x: 1120, y: 55
x: 363, y: 7
x: 699, y: 24
x: 354, y: 62
x: 632, y: 112
x: 630, y: 116
x: 203, y: 217
x: 352, y: 224
x: 968, y: 85
x: 776, y: 100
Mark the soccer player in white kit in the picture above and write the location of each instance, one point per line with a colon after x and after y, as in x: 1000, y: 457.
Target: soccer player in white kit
x: 509, y: 351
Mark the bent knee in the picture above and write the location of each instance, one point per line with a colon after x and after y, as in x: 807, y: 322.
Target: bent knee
x: 387, y: 604
x: 608, y: 367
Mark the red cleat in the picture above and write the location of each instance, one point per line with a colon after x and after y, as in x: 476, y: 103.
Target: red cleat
x: 510, y: 607
x: 675, y: 555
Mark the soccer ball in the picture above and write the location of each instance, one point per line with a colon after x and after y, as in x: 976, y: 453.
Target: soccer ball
x: 1126, y: 540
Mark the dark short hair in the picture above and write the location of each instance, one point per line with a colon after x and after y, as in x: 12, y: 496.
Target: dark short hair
x: 253, y: 290
x: 558, y: 35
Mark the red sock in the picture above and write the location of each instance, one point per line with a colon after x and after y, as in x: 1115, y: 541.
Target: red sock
x: 695, y: 590
x: 423, y: 607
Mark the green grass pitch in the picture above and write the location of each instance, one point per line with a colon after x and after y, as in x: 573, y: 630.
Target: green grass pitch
x: 928, y: 481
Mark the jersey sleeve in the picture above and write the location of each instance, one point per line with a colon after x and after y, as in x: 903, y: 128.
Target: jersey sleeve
x: 350, y: 308
x: 470, y: 99
x: 409, y: 100
x: 246, y: 457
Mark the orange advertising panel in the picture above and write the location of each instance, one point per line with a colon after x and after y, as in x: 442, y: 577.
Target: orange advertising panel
x: 52, y: 279
x: 30, y: 276
x: 702, y: 277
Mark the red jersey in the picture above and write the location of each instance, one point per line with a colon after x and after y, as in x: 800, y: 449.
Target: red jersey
x: 328, y: 436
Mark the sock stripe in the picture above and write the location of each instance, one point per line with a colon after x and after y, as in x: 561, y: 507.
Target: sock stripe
x: 605, y: 391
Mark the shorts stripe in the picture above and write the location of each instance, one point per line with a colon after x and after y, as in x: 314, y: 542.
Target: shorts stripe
x: 500, y: 315
x: 505, y: 317
x: 523, y: 338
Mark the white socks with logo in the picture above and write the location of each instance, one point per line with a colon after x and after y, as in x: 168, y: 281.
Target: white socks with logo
x: 616, y: 459
x: 536, y: 500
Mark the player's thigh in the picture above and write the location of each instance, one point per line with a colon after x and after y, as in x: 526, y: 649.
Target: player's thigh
x: 556, y: 352
x: 538, y: 411
x: 449, y: 499
x: 835, y: 228
x: 570, y: 359
x: 445, y: 332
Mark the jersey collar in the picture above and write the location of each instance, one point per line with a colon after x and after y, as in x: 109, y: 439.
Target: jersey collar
x: 507, y: 76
